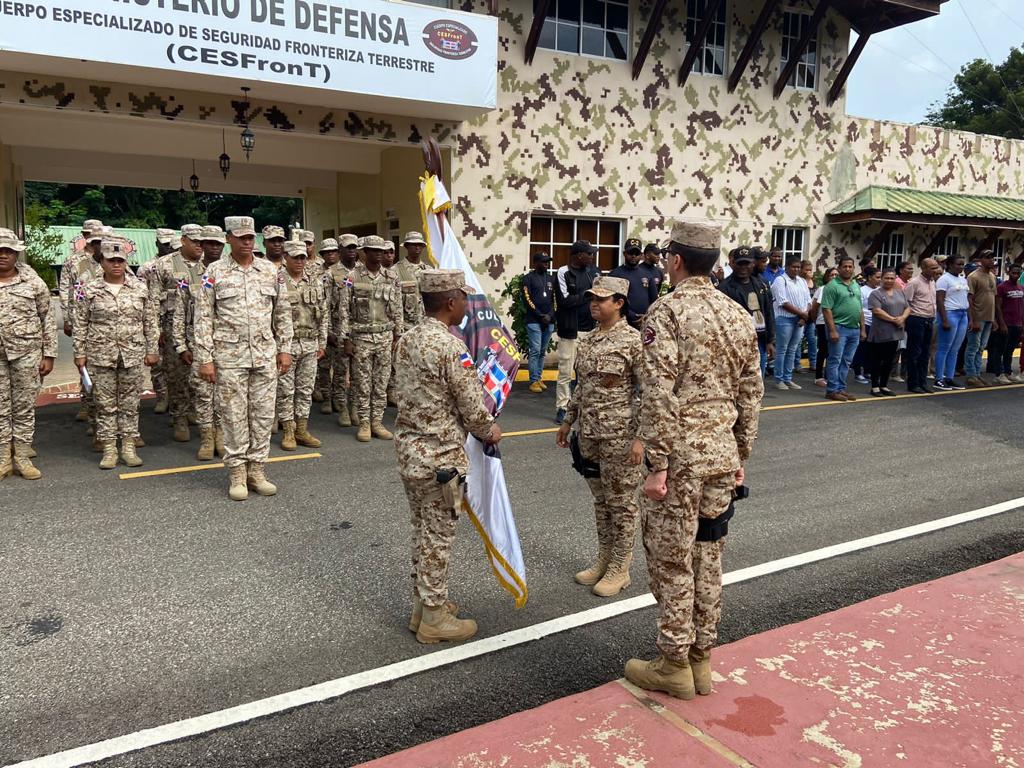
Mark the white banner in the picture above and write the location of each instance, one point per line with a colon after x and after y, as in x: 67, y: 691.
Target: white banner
x: 370, y: 47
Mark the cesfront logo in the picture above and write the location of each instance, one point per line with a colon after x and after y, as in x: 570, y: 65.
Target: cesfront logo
x: 450, y: 39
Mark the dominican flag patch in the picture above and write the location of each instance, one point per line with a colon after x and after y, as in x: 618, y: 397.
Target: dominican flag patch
x: 79, y: 293
x: 208, y: 281
x: 183, y: 284
x: 466, y: 360
x: 347, y: 282
x: 497, y: 385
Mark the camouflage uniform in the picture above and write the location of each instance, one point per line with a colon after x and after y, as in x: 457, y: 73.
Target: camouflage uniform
x: 341, y: 383
x: 183, y: 337
x: 309, y: 324
x: 701, y: 394
x: 370, y: 316
x: 28, y: 333
x: 114, y: 330
x: 603, y: 408
x: 412, y: 302
x: 242, y: 321
x: 84, y: 270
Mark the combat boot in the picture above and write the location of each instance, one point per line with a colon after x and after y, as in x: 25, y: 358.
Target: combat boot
x: 363, y: 435
x: 377, y: 430
x: 181, y: 434
x: 673, y: 677
x: 23, y: 463
x: 32, y: 452
x: 437, y: 625
x: 288, y: 436
x: 700, y: 665
x: 161, y: 404
x: 192, y: 420
x: 417, y: 612
x: 256, y: 479
x: 139, y: 442
x: 83, y: 413
x: 97, y: 444
x: 327, y: 407
x: 302, y: 436
x: 109, y: 460
x: 218, y: 442
x: 237, y: 489
x: 128, y: 454
x: 318, y: 395
x: 205, y: 452
x: 344, y: 417
x: 593, y: 574
x: 353, y: 412
x: 616, y: 578
x: 6, y: 466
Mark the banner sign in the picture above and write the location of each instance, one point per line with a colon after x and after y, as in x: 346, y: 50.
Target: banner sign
x: 371, y: 47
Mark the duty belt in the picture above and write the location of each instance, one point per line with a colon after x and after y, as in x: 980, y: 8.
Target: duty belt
x: 304, y: 334
x: 375, y: 328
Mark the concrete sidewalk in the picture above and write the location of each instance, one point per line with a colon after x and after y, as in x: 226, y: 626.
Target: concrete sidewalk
x: 930, y: 675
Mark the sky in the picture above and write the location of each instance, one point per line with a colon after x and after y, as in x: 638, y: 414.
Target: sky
x: 899, y: 78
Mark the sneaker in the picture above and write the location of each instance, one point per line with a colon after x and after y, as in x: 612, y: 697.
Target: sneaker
x: 943, y: 385
x: 973, y: 382
x: 560, y: 416
x: 820, y: 383
x: 535, y: 387
x: 954, y: 384
x: 931, y: 375
x: 863, y: 380
x: 781, y: 385
x: 1003, y: 379
x: 1017, y: 378
x: 791, y: 385
x: 900, y: 379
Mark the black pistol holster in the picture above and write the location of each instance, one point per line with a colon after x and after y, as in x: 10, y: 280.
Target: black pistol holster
x: 717, y: 528
x: 585, y: 467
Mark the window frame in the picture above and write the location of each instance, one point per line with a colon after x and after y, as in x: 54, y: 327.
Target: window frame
x: 888, y: 257
x: 950, y: 246
x: 698, y: 63
x: 548, y: 245
x: 999, y: 251
x: 815, y: 43
x: 780, y: 242
x: 580, y: 25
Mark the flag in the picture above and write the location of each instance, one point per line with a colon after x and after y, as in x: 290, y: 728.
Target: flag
x: 207, y: 281
x: 183, y: 284
x: 493, y: 352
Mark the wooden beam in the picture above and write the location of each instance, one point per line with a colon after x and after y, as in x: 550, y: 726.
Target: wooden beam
x: 756, y: 33
x: 880, y: 239
x: 844, y: 73
x: 987, y: 243
x: 700, y: 35
x: 936, y: 241
x: 653, y: 25
x: 801, y: 46
x: 535, y: 29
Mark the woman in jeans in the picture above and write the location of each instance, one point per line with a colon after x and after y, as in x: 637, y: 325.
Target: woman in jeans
x: 820, y: 331
x: 951, y: 306
x: 889, y: 311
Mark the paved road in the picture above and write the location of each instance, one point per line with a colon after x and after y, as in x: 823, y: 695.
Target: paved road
x: 127, y: 604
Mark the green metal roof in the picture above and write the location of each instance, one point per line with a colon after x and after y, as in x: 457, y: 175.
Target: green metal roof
x: 927, y: 203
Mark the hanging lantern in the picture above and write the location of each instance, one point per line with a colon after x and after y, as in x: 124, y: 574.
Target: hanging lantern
x: 181, y: 192
x: 193, y: 180
x: 224, y: 161
x: 248, y: 138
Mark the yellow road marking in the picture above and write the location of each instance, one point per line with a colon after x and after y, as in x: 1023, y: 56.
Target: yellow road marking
x: 201, y: 467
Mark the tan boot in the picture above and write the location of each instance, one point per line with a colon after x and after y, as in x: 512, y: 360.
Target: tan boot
x: 109, y: 460
x: 256, y: 479
x: 438, y: 624
x: 353, y: 413
x: 593, y: 574
x: 536, y: 388
x: 218, y: 442
x: 377, y: 430
x: 326, y: 407
x: 700, y: 664
x: 417, y: 612
x: 344, y: 417
x: 139, y: 442
x: 288, y: 436
x: 23, y: 465
x: 83, y: 413
x: 32, y: 452
x: 318, y: 396
x: 363, y: 435
x: 181, y: 433
x: 6, y: 465
x: 128, y: 454
x: 192, y: 420
x: 161, y: 404
x: 302, y: 436
x: 673, y: 677
x: 205, y: 452
x: 237, y: 489
x: 616, y: 578
x: 97, y: 445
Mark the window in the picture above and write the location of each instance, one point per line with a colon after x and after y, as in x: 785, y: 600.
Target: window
x: 892, y: 252
x: 806, y: 73
x: 790, y: 240
x: 949, y: 247
x: 999, y: 249
x: 711, y: 59
x: 590, y: 27
x: 557, y: 234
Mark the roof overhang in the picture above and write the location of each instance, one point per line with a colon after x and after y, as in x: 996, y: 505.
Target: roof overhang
x: 880, y: 15
x: 897, y: 205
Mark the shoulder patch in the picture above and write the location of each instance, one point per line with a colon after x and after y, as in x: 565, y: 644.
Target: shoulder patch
x: 648, y: 336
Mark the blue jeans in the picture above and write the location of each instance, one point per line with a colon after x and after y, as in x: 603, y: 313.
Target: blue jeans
x: 539, y: 337
x: 949, y: 343
x: 762, y: 347
x: 811, y: 337
x: 840, y: 355
x: 976, y: 341
x: 788, y: 336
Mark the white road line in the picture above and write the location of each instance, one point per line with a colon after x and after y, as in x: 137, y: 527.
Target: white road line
x: 195, y: 726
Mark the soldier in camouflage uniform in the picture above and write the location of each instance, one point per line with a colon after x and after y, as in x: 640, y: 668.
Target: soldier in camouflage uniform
x: 84, y: 270
x: 28, y: 347
x: 273, y: 241
x: 308, y: 302
x: 314, y: 262
x: 440, y: 400
x: 211, y: 435
x: 698, y: 418
x: 370, y: 322
x: 115, y: 334
x: 342, y: 385
x: 167, y: 241
x: 603, y: 406
x: 408, y: 269
x: 243, y: 338
x: 329, y: 253
x: 64, y: 284
x: 170, y: 275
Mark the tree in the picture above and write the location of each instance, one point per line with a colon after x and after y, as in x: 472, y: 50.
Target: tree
x: 985, y: 99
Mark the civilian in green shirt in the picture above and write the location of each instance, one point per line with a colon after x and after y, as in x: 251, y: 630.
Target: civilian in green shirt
x: 844, y: 318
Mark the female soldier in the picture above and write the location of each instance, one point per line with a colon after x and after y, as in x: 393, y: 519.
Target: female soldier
x: 308, y: 301
x: 604, y: 407
x: 116, y: 331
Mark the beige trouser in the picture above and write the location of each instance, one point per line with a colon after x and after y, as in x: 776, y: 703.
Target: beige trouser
x: 566, y: 366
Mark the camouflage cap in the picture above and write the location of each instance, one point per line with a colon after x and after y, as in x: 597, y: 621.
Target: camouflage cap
x: 346, y: 240
x: 294, y: 248
x: 176, y: 243
x: 10, y: 241
x: 697, y: 234
x: 604, y: 287
x: 191, y: 231
x: 214, y: 233
x: 90, y: 224
x: 330, y: 244
x: 113, y: 248
x: 99, y: 233
x: 303, y: 234
x: 389, y: 245
x: 442, y: 280
x: 164, y: 235
x: 240, y: 226
x: 271, y: 231
x: 373, y: 242
x: 413, y: 238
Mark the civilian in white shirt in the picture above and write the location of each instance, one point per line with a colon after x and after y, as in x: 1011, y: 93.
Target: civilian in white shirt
x: 951, y: 308
x: 862, y: 359
x: 792, y: 301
